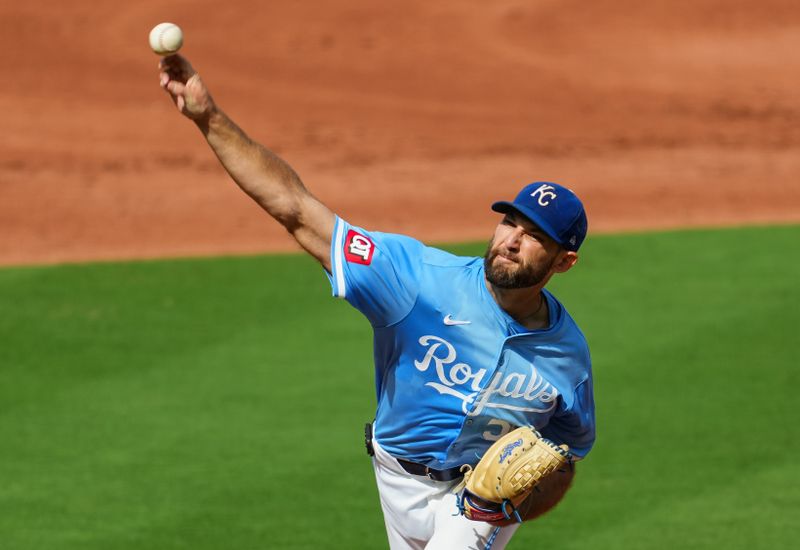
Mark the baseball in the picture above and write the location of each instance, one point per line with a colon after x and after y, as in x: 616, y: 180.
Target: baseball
x: 166, y: 38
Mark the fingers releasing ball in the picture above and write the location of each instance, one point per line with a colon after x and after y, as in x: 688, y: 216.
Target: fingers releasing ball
x: 166, y: 38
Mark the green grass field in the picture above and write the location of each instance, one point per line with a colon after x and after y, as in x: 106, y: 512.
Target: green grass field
x: 219, y: 403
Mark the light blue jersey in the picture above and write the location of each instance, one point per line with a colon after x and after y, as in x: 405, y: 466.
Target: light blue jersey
x: 453, y: 371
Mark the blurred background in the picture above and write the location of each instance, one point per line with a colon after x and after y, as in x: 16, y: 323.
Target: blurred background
x: 172, y: 376
x: 408, y: 116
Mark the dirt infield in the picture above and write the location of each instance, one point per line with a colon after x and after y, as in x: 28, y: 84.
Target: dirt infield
x: 408, y: 117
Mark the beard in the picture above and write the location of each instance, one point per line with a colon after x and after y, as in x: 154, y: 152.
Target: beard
x: 521, y: 275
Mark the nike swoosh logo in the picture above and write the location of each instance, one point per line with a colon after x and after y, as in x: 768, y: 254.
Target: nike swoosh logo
x: 449, y: 321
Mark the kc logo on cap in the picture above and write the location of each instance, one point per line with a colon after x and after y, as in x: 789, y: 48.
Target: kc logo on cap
x: 554, y: 208
x: 545, y: 193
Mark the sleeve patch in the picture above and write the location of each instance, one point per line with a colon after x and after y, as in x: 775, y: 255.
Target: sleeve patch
x: 358, y: 249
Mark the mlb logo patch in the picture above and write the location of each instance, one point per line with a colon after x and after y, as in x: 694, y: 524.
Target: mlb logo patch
x: 358, y: 249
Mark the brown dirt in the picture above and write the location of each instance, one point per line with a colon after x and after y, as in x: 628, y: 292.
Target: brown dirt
x: 408, y: 117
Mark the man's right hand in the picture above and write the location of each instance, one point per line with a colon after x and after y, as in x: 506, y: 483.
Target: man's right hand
x: 185, y: 88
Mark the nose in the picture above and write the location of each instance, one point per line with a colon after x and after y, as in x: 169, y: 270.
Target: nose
x: 513, y: 239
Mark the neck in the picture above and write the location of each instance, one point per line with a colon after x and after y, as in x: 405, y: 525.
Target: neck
x: 527, y: 306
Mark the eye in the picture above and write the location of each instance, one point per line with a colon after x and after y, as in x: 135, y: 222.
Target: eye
x: 536, y: 235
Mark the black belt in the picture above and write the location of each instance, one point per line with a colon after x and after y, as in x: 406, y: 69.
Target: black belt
x: 437, y: 475
x: 412, y: 467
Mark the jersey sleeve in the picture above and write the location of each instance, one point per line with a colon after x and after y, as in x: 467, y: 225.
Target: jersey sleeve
x: 375, y: 272
x: 575, y: 425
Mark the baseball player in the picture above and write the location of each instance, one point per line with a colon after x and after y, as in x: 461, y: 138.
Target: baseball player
x: 468, y: 351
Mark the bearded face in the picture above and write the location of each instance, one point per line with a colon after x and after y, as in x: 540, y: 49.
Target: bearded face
x: 505, y: 269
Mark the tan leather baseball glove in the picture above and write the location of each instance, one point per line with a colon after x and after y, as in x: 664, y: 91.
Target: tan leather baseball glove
x: 507, y: 474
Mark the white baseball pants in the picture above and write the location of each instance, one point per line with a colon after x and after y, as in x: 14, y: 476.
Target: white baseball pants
x: 423, y: 514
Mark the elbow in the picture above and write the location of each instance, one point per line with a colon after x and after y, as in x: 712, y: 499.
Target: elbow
x: 290, y: 219
x: 285, y: 210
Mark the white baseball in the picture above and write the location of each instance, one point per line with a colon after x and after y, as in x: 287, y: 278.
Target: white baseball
x: 166, y: 38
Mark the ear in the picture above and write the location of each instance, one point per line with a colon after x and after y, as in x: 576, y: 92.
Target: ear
x: 566, y: 260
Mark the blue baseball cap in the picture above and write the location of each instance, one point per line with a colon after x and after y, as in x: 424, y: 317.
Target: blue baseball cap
x: 554, y: 208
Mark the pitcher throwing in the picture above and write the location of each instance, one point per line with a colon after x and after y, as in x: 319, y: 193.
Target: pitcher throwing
x: 468, y: 351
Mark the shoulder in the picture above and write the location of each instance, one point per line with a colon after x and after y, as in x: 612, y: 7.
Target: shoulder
x: 437, y: 257
x: 357, y: 245
x: 578, y: 366
x: 565, y: 327
x: 562, y: 350
x: 426, y: 255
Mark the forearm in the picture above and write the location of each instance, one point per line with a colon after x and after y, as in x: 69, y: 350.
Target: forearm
x: 260, y: 173
x: 272, y: 183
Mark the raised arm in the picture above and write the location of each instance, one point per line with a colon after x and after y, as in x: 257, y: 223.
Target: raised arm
x: 267, y: 178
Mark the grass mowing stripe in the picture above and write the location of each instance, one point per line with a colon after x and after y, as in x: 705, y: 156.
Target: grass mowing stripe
x: 218, y: 402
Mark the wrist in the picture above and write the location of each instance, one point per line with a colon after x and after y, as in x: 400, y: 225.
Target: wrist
x: 210, y: 119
